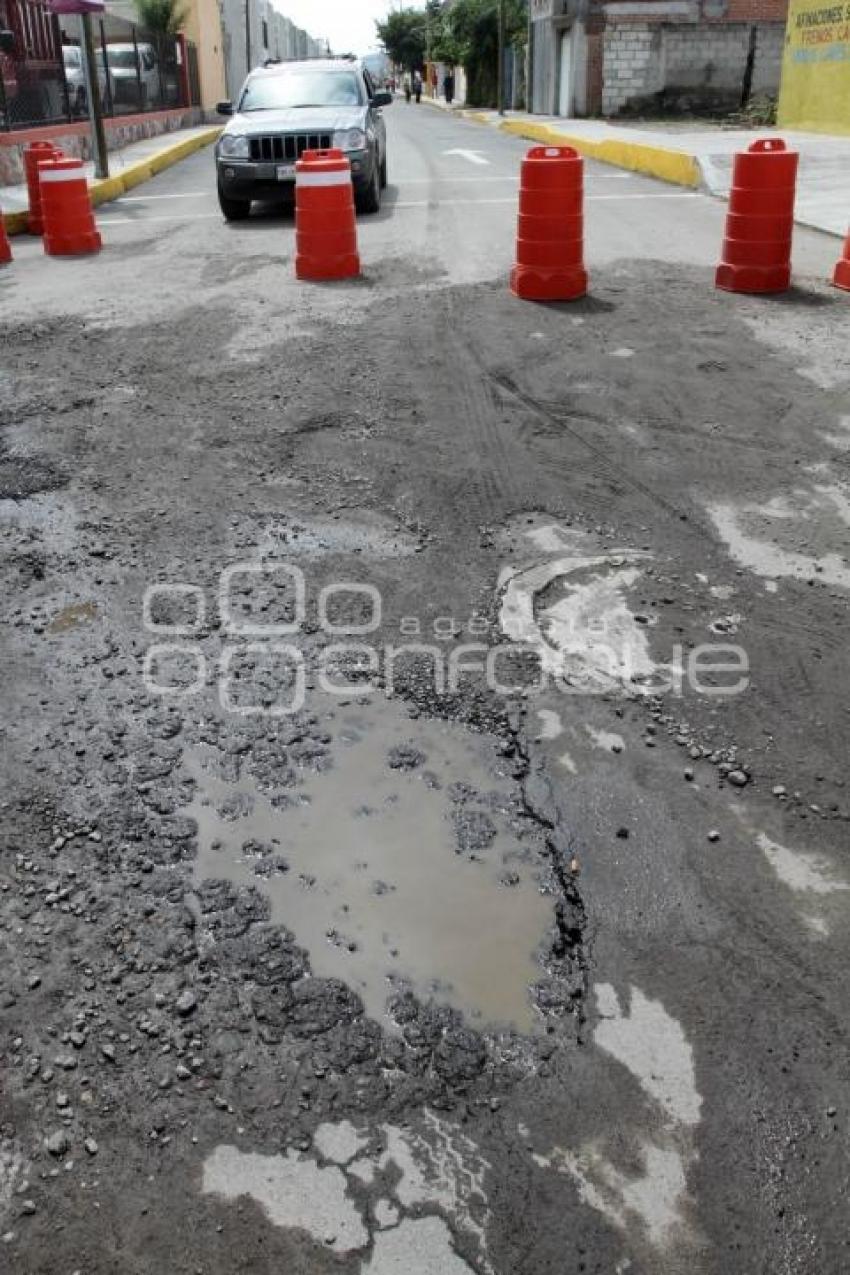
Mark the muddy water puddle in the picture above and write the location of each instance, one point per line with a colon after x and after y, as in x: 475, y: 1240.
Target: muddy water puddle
x: 73, y: 616
x: 407, y: 862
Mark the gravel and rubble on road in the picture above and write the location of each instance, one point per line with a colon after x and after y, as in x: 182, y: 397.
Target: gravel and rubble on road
x: 435, y: 972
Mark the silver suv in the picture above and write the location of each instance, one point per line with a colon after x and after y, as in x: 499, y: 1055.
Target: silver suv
x: 285, y: 108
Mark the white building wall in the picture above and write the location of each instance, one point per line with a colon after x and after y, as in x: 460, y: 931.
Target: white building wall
x: 284, y: 39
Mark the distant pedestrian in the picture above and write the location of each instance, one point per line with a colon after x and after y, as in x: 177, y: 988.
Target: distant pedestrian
x: 405, y: 84
x: 417, y: 87
x: 449, y: 87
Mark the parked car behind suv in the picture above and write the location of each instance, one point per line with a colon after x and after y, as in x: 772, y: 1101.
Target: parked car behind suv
x: 285, y: 108
x: 78, y: 97
x: 133, y: 74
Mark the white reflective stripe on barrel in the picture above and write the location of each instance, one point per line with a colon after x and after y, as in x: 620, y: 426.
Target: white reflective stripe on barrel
x: 63, y: 175
x: 336, y: 178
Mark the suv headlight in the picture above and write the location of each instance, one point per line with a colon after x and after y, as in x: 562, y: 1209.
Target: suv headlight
x: 350, y: 139
x: 234, y: 146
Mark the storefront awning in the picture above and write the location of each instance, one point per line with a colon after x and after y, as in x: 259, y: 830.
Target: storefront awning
x: 76, y: 6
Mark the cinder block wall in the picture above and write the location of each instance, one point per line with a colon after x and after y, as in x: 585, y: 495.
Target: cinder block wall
x: 633, y: 64
x: 692, y: 65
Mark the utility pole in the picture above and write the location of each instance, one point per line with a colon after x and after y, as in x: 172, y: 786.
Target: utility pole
x: 529, y: 64
x: 101, y: 155
x: 428, y: 16
x: 500, y: 70
x: 247, y: 37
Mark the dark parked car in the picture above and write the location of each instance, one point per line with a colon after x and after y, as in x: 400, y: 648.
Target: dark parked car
x: 286, y: 108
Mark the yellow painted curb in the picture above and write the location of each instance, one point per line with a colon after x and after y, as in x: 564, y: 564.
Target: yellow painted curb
x: 145, y: 169
x: 105, y: 189
x: 135, y: 174
x: 677, y: 167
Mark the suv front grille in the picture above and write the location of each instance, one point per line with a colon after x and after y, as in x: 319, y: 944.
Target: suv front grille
x: 290, y: 147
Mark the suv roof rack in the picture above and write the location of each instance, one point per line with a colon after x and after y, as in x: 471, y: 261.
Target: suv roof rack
x: 314, y: 57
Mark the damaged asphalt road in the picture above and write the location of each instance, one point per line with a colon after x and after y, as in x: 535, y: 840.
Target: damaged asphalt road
x: 455, y: 969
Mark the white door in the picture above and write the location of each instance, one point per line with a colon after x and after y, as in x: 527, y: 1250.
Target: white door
x: 565, y: 99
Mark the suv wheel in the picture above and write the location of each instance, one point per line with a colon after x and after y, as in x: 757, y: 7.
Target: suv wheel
x: 234, y: 209
x: 384, y: 173
x: 370, y: 200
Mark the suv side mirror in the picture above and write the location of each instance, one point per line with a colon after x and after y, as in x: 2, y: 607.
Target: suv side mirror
x: 224, y: 108
x: 382, y: 99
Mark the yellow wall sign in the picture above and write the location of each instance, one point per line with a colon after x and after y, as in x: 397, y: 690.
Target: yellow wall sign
x: 815, y: 90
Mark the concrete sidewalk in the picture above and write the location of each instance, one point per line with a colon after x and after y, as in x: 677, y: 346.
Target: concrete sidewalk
x: 701, y: 158
x: 128, y: 167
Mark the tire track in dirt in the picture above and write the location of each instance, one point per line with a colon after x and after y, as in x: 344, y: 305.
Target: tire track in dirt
x: 606, y: 468
x: 498, y: 485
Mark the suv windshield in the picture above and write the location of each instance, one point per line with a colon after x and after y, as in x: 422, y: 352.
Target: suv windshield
x: 123, y: 59
x: 301, y: 88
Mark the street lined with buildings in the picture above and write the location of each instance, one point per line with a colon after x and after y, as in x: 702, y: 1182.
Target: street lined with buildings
x: 424, y: 833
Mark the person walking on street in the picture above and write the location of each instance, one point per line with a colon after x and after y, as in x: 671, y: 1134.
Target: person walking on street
x: 405, y: 84
x: 449, y: 87
x: 417, y: 87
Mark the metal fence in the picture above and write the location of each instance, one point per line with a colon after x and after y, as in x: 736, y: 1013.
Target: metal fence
x: 42, y: 68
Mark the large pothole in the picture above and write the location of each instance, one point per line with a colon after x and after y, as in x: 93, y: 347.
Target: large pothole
x: 404, y: 860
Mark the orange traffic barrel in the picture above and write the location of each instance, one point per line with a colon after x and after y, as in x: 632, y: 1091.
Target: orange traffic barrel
x: 841, y: 278
x: 36, y: 153
x: 550, y: 228
x: 5, y: 246
x: 325, y: 220
x: 756, y: 255
x: 69, y: 226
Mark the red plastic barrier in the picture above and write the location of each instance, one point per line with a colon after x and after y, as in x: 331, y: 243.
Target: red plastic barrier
x: 37, y: 153
x: 5, y: 246
x: 841, y: 278
x: 325, y: 219
x: 550, y: 228
x: 756, y: 254
x: 69, y: 225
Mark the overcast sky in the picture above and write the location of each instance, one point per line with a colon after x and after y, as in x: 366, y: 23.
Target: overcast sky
x: 348, y: 24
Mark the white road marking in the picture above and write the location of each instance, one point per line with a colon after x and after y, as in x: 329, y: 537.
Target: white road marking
x: 655, y: 1193
x: 453, y: 181
x: 651, y: 194
x: 451, y: 203
x: 651, y: 1187
x: 652, y: 1045
x: 144, y: 199
x: 447, y: 203
x: 473, y: 157
x: 437, y: 1167
x: 799, y: 869
x: 109, y: 219
x: 139, y: 221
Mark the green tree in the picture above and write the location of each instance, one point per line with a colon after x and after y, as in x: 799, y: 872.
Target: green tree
x: 161, y: 17
x: 444, y: 45
x: 404, y: 36
x: 472, y: 29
